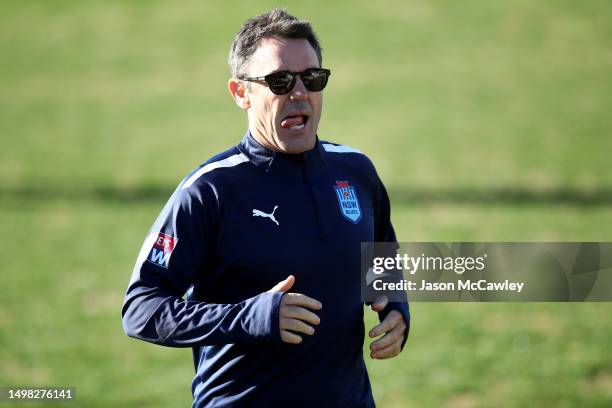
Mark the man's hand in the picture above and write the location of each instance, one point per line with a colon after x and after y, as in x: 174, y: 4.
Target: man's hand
x: 394, y: 328
x: 294, y: 314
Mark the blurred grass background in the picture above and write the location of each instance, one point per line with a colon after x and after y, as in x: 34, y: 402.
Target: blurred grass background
x: 488, y: 121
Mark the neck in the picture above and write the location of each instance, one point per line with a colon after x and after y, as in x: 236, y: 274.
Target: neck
x: 262, y: 140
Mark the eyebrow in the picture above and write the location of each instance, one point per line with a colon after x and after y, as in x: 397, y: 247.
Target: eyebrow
x: 288, y: 70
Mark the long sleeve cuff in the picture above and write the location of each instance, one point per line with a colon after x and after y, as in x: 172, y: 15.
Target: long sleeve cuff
x: 262, y: 316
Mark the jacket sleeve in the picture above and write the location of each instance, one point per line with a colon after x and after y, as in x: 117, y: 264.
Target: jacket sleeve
x: 176, y: 252
x: 384, y: 232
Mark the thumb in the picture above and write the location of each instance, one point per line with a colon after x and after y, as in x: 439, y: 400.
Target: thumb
x: 380, y: 304
x: 285, y: 285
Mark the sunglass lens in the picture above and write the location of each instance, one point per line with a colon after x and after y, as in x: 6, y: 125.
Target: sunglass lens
x: 315, y: 80
x: 281, y: 82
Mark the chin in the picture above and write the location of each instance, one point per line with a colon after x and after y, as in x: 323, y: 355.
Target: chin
x: 295, y: 145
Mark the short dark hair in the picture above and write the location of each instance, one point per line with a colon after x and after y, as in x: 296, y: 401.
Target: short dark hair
x: 276, y: 23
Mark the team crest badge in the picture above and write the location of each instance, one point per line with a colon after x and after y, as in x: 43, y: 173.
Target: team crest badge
x: 347, y: 199
x: 162, y: 249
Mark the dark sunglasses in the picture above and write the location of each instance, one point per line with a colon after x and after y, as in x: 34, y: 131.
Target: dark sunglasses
x: 282, y: 82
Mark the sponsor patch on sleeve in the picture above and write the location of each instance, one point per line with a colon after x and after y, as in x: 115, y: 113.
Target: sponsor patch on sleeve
x: 162, y: 249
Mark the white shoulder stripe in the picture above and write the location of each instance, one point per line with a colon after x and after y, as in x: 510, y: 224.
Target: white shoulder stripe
x: 339, y: 149
x: 227, y: 162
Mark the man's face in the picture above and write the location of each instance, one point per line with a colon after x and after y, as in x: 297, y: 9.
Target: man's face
x: 285, y: 123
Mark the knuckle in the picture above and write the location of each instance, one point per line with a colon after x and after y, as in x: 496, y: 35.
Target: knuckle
x: 292, y: 311
x: 293, y: 324
x: 298, y: 325
x: 300, y: 313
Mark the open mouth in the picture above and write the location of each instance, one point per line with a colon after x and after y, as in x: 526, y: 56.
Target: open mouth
x: 294, y: 122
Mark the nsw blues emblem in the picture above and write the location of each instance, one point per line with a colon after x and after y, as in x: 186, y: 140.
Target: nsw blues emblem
x: 347, y: 198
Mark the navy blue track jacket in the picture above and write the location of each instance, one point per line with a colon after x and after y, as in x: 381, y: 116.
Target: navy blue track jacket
x: 235, y: 227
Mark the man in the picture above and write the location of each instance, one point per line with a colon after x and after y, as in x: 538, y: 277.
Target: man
x: 268, y: 236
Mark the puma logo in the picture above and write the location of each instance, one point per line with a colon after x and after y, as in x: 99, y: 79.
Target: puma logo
x: 258, y: 213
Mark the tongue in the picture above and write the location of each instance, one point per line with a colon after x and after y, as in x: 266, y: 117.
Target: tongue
x: 292, y: 121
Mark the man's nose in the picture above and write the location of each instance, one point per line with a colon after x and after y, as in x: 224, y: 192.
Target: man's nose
x: 299, y: 91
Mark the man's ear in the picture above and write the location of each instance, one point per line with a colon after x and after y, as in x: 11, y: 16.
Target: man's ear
x: 240, y: 93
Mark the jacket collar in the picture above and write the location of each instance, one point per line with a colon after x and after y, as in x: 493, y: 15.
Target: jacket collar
x: 271, y: 160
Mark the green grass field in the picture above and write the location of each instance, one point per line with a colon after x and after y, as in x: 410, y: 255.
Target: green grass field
x: 488, y: 121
